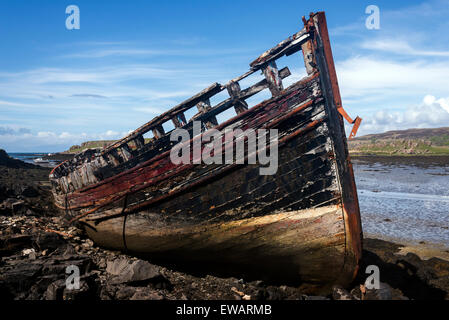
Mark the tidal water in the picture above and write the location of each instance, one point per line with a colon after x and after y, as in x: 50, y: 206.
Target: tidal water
x: 405, y: 199
x: 29, y: 157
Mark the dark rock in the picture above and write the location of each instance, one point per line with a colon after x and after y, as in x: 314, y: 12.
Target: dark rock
x: 108, y: 292
x: 146, y: 293
x: 49, y: 240
x: 58, y: 290
x: 124, y: 293
x: 273, y: 293
x: 339, y: 293
x: 356, y: 293
x: 7, y: 161
x: 117, y: 266
x: 38, y: 290
x: 29, y: 212
x: 383, y: 293
x: 59, y: 264
x: 137, y: 271
x: 19, y: 278
x: 30, y: 192
x: 55, y: 290
x: 85, y: 292
x: 5, y: 208
x: 259, y: 283
x: 18, y: 207
x: 412, y: 277
x: 10, y: 244
x: 315, y: 298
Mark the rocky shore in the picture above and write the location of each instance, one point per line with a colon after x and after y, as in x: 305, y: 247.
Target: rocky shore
x: 37, y: 246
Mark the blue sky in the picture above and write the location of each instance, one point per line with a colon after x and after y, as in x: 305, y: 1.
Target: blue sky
x: 131, y: 60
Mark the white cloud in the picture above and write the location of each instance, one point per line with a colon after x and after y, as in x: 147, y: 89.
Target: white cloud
x: 149, y: 110
x: 430, y: 113
x: 145, y: 52
x: 360, y: 76
x: 401, y: 47
x: 50, y: 141
x: 13, y: 104
x: 93, y: 75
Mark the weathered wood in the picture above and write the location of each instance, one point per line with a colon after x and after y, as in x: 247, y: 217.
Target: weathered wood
x: 273, y: 78
x: 158, y: 132
x: 179, y: 120
x: 290, y: 245
x: 145, y: 174
x: 139, y: 141
x: 287, y: 47
x: 234, y: 92
x: 156, y: 122
x: 324, y: 58
x: 309, y: 57
x: 204, y: 107
x: 244, y: 94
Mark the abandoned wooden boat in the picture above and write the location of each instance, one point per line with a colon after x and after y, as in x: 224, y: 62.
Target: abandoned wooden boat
x: 302, y: 222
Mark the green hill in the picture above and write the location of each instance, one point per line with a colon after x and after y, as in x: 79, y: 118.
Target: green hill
x: 432, y: 141
x: 88, y: 145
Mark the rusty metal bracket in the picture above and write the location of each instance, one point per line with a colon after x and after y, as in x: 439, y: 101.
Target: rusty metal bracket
x: 356, y: 122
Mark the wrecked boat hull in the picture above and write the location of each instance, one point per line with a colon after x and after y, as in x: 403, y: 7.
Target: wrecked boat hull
x: 293, y: 246
x: 302, y: 222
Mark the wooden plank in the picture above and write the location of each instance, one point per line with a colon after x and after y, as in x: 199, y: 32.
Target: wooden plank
x: 158, y: 131
x: 273, y: 78
x: 107, y: 188
x: 243, y: 95
x: 309, y: 57
x: 139, y: 141
x: 203, y: 107
x: 287, y: 47
x: 183, y: 106
x: 179, y: 120
x: 234, y: 92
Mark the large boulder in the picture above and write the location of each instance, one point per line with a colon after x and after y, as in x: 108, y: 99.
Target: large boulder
x: 125, y: 271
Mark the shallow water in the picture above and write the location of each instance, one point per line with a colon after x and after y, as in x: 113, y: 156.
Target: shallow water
x: 29, y: 157
x: 404, y: 199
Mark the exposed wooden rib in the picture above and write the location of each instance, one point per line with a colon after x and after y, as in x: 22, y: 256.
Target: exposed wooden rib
x: 204, y: 107
x: 179, y: 120
x: 234, y: 92
x: 183, y: 106
x: 139, y: 141
x: 287, y: 47
x: 244, y: 94
x: 158, y: 131
x: 309, y: 57
x: 273, y: 78
x: 243, y: 76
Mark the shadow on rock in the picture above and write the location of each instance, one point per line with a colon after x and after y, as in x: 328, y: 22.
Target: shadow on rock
x: 416, y: 278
